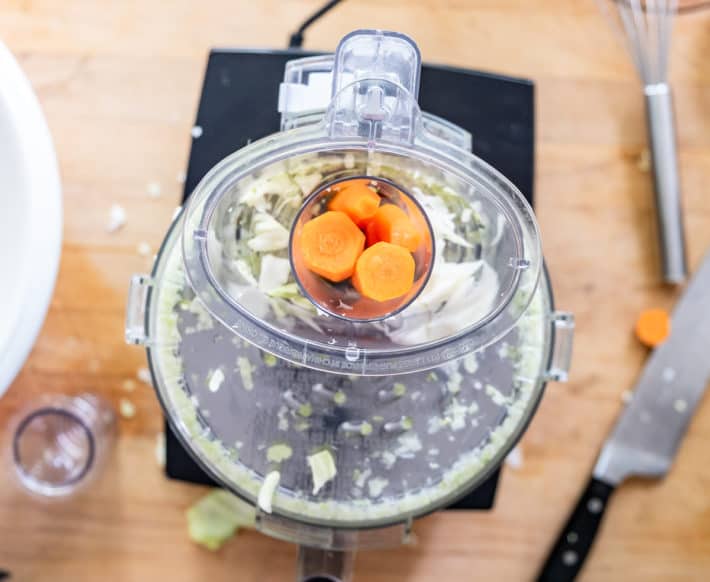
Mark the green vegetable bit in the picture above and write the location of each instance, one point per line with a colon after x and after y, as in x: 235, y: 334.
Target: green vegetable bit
x: 279, y: 452
x: 216, y: 517
x: 270, y: 360
x: 366, y: 429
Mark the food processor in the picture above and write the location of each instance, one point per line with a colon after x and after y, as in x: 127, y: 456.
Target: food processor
x: 339, y: 414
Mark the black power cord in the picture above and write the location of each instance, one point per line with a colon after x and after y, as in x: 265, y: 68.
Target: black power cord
x: 296, y: 40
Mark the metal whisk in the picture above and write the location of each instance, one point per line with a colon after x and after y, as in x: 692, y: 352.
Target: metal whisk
x: 648, y: 24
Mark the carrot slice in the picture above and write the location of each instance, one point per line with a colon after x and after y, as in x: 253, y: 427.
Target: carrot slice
x: 392, y: 224
x: 357, y: 201
x: 653, y: 327
x: 371, y: 234
x: 330, y: 245
x: 384, y: 271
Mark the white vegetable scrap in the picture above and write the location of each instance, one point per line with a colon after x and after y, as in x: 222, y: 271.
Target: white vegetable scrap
x: 116, y: 218
x: 453, y: 384
x: 255, y: 191
x: 245, y: 371
x: 196, y: 131
x: 279, y: 452
x: 126, y: 408
x: 308, y: 182
x: 181, y: 177
x: 435, y: 424
x: 515, y: 458
x: 322, y: 465
x: 376, y: 486
x: 153, y: 189
x: 441, y: 219
x: 204, y: 319
x: 215, y: 380
x: 267, y: 491
x: 361, y: 477
x: 244, y: 270
x: 143, y: 249
x: 495, y: 395
x: 269, y: 234
x: 160, y: 449
x: 143, y: 375
x: 216, y: 517
x: 470, y: 363
x: 409, y: 445
x: 274, y: 273
x: 455, y: 414
x: 388, y: 459
x: 283, y: 418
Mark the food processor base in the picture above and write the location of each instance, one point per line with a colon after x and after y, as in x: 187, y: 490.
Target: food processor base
x: 498, y: 111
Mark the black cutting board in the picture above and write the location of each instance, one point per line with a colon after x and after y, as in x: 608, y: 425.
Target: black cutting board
x: 239, y: 105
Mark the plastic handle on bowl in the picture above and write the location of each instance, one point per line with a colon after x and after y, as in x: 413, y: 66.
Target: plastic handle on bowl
x: 375, y: 87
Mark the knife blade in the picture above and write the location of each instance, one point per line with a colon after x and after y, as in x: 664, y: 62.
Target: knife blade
x: 647, y: 434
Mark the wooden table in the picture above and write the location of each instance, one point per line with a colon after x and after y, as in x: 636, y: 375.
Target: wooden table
x: 119, y: 83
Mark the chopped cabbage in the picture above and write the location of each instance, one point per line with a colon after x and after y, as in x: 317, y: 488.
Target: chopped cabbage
x: 216, y: 517
x: 322, y: 465
x: 274, y: 273
x: 269, y: 234
x: 268, y: 490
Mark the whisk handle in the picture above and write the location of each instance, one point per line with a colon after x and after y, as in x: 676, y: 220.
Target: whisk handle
x: 662, y: 138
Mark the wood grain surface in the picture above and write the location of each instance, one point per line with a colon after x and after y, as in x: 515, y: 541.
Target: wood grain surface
x: 119, y: 83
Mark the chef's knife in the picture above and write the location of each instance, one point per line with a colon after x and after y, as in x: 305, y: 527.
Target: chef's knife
x: 649, y: 431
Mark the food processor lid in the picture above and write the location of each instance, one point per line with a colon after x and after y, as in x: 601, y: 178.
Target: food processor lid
x: 482, y: 256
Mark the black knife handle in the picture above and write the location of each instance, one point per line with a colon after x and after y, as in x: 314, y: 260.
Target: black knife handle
x: 569, y: 552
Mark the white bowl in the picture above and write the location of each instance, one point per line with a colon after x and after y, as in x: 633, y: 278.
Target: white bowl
x: 30, y: 218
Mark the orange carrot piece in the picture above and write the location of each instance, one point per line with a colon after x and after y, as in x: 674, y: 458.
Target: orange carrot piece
x: 653, y: 327
x: 330, y: 245
x: 392, y: 224
x: 357, y: 201
x: 371, y: 234
x: 384, y: 271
